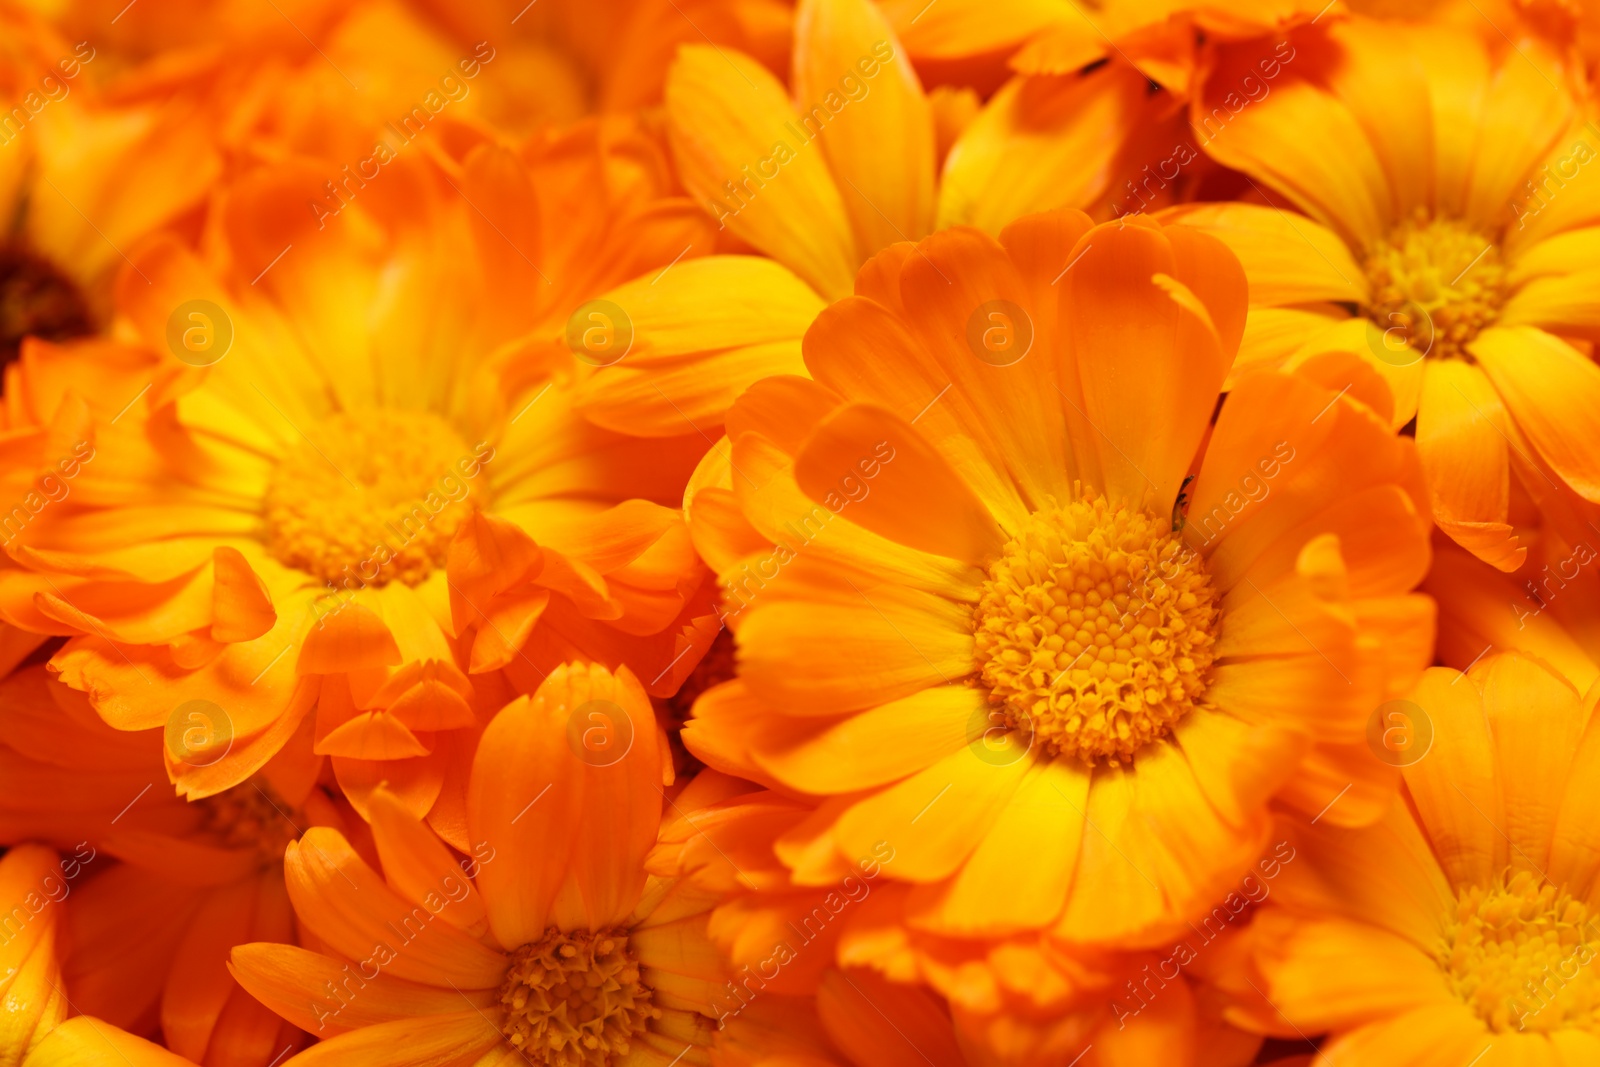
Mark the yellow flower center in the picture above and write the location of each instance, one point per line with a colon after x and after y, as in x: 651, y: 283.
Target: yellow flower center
x: 1520, y: 953
x: 575, y: 999
x: 1436, y: 284
x: 1095, y: 629
x: 249, y: 815
x: 368, y: 498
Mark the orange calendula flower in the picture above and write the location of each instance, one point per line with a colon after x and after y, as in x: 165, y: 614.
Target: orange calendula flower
x: 340, y: 413
x: 546, y: 943
x: 819, y: 176
x: 1007, y: 599
x: 1464, y: 924
x: 1444, y: 237
x: 157, y: 890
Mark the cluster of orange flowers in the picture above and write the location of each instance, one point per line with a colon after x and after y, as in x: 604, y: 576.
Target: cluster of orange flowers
x: 831, y: 533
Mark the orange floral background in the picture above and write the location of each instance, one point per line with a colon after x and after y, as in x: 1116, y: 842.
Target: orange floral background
x: 799, y: 533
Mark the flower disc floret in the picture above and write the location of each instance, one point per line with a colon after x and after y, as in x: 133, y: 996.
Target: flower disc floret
x: 1095, y: 629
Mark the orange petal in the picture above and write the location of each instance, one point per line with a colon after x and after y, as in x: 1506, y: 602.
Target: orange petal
x: 1147, y: 353
x: 294, y: 983
x: 30, y: 957
x: 454, y: 1040
x: 888, y: 196
x: 935, y: 819
x: 1553, y: 391
x: 1288, y: 258
x: 728, y: 118
x: 620, y: 807
x: 881, y: 1021
x: 84, y: 1040
x: 240, y: 604
x: 348, y: 638
x: 349, y: 907
x: 1465, y: 454
x: 343, y: 730
x: 908, y: 491
x: 521, y: 803
x: 418, y: 865
x: 198, y: 985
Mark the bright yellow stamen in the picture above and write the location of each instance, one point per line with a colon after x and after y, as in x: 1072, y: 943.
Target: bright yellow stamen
x: 369, y: 495
x: 575, y: 999
x: 1436, y: 283
x: 1095, y: 629
x: 1521, y: 954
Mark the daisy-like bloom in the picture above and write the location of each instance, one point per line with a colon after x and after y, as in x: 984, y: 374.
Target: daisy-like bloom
x: 547, y: 943
x: 1444, y: 236
x: 851, y: 157
x: 1465, y: 923
x: 338, y: 414
x: 1018, y: 1000
x: 1007, y: 600
x: 161, y: 889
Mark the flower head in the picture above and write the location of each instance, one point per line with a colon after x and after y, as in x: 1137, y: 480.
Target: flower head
x: 1450, y: 260
x: 1005, y: 597
x: 1463, y: 923
x: 546, y: 940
